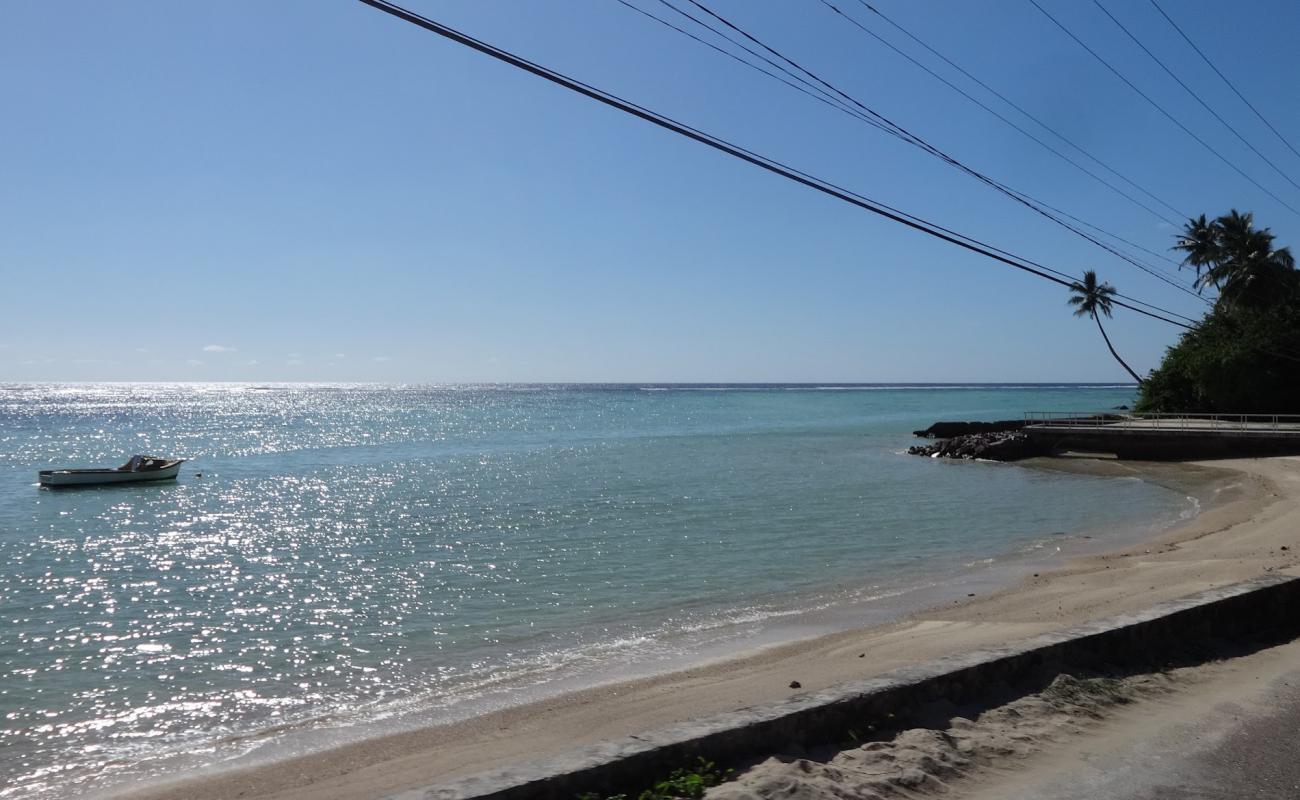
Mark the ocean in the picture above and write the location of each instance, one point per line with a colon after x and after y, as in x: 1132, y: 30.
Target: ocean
x: 341, y: 560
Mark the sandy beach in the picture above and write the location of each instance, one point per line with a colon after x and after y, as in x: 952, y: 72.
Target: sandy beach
x: 1251, y: 530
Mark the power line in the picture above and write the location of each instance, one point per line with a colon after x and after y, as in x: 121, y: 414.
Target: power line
x: 1144, y: 267
x: 763, y: 162
x: 1021, y: 109
x: 840, y: 106
x: 1197, y: 97
x: 1207, y: 60
x: 849, y: 18
x: 916, y: 140
x: 1105, y: 232
x: 1162, y: 110
x: 791, y: 83
x: 795, y: 81
x: 809, y: 87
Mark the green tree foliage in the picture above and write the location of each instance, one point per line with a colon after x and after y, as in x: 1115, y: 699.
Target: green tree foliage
x: 1244, y: 356
x: 1231, y: 362
x: 1238, y: 260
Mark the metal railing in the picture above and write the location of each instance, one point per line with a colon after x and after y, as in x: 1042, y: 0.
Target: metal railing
x: 1165, y: 421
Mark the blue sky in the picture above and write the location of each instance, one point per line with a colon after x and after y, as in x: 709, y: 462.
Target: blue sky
x: 317, y: 191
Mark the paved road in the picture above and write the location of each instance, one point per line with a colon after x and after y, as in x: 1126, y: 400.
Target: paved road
x: 1243, y: 746
x: 1236, y: 756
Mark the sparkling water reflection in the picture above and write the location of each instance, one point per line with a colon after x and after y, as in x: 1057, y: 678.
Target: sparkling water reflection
x: 351, y: 551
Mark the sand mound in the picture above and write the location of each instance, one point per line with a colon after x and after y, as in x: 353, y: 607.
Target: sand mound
x: 922, y: 760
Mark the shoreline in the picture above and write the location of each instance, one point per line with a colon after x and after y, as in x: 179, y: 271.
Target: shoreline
x: 789, y: 619
x: 1083, y: 587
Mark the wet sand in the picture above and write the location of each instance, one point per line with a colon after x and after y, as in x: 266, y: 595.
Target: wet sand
x: 1238, y: 538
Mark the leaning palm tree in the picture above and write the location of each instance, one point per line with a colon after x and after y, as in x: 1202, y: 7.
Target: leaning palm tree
x: 1092, y: 299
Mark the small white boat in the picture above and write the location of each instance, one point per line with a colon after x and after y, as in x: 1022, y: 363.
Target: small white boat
x: 138, y: 470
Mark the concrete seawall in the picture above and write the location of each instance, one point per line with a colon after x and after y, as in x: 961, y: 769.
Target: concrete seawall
x: 1266, y: 606
x: 1164, y: 444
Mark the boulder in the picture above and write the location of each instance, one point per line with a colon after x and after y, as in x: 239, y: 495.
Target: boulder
x: 995, y: 446
x: 944, y: 430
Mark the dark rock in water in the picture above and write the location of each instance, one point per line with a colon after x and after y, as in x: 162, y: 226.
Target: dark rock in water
x: 1121, y: 408
x: 994, y: 441
x: 944, y: 430
x: 997, y: 446
x: 796, y: 685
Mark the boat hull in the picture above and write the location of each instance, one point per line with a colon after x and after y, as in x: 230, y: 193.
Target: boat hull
x: 101, y: 477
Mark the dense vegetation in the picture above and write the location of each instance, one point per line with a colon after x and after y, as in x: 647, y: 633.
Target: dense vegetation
x: 1244, y: 356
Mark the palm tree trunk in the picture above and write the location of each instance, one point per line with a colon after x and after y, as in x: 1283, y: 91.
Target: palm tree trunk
x: 1112, y: 350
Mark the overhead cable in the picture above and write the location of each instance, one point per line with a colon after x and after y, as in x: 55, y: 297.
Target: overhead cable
x: 787, y: 81
x: 755, y: 159
x: 804, y: 87
x: 1054, y: 151
x: 1163, y: 111
x: 1234, y: 89
x: 1037, y: 120
x: 1194, y: 95
x: 1019, y: 197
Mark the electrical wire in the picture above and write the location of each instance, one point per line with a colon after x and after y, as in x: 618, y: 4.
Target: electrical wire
x: 1194, y: 95
x: 916, y: 140
x: 859, y: 116
x: 791, y: 83
x: 850, y: 19
x: 755, y: 159
x: 1020, y: 108
x: 1162, y: 110
x: 1234, y: 89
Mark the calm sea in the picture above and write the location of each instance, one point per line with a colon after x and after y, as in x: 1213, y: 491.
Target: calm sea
x: 356, y: 558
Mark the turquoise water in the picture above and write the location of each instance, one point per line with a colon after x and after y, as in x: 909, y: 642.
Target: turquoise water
x: 360, y: 556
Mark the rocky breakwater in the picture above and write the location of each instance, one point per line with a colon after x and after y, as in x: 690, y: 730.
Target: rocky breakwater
x: 992, y: 441
x: 993, y: 446
x: 1003, y: 440
x: 945, y: 430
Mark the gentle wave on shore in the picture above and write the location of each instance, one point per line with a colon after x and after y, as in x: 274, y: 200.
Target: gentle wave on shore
x: 355, y: 558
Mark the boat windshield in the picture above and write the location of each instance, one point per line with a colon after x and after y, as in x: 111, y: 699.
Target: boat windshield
x: 137, y: 463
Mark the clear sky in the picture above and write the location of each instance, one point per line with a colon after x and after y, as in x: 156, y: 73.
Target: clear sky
x: 313, y: 190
